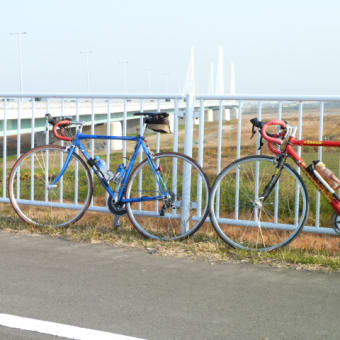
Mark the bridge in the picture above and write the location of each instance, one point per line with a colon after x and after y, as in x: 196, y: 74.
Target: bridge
x: 19, y: 113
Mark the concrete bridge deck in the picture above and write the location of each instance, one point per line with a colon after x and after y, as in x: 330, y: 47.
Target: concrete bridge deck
x: 86, y: 110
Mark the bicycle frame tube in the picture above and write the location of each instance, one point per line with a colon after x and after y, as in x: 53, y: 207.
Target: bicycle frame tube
x: 335, y: 203
x: 140, y: 143
x: 56, y: 180
x: 159, y: 179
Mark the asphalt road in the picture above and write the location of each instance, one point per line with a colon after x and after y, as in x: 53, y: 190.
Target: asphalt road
x: 130, y: 292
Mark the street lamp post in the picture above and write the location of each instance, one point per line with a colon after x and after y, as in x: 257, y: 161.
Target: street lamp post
x: 19, y: 44
x: 87, y: 53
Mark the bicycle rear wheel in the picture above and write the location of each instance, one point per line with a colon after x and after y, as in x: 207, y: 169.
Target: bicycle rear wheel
x: 244, y: 221
x: 184, y: 209
x: 38, y: 204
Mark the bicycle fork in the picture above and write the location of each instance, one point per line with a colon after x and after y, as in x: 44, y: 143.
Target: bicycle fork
x: 281, y: 159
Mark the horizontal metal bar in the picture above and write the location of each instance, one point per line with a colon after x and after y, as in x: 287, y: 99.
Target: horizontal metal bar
x: 303, y: 98
x: 279, y: 226
x: 250, y: 97
x: 96, y: 95
x: 84, y: 136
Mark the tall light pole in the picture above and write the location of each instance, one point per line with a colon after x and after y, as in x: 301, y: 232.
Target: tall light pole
x: 125, y: 76
x: 19, y: 43
x: 87, y: 53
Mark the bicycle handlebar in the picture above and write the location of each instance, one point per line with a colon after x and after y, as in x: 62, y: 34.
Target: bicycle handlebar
x: 271, y: 138
x: 60, y: 123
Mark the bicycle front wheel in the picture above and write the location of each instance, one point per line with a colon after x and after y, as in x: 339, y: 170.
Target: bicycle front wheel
x: 36, y: 201
x: 243, y: 220
x: 183, y: 208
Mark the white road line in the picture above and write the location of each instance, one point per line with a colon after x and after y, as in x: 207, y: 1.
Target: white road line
x: 58, y: 329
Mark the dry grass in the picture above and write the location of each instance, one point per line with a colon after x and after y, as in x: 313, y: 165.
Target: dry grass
x: 204, y: 245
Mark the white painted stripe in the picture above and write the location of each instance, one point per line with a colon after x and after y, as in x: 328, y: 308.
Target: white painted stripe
x: 57, y: 329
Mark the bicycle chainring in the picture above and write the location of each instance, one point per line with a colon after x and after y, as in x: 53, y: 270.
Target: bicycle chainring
x: 116, y: 208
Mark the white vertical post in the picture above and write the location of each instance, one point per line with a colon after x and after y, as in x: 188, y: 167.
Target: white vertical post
x: 61, y: 164
x: 19, y: 146
x: 175, y: 149
x: 297, y: 192
x: 4, y: 174
x: 317, y: 208
x: 108, y: 132
x: 92, y: 140
x: 76, y: 178
x: 257, y: 171
x: 186, y: 188
x: 124, y: 130
x: 158, y: 147
x: 140, y: 176
x: 219, y: 155
x: 277, y: 186
x: 200, y: 158
x: 238, y: 156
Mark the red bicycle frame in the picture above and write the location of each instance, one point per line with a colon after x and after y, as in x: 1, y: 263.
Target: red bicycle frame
x: 289, y: 150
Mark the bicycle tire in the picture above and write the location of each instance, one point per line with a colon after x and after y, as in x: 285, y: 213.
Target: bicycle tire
x: 28, y: 192
x: 179, y: 220
x: 244, y: 222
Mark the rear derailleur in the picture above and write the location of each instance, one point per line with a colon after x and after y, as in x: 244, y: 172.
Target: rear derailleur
x: 168, y: 203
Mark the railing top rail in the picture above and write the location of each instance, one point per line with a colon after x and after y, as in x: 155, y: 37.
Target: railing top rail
x: 246, y: 97
x: 95, y: 95
x: 250, y: 97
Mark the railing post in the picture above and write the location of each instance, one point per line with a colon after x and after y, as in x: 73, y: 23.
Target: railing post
x: 186, y: 185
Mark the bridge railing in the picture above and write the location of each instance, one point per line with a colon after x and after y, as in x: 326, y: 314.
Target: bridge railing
x: 213, y: 129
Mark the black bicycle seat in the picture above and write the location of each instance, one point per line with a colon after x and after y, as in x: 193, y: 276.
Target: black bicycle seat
x: 152, y: 114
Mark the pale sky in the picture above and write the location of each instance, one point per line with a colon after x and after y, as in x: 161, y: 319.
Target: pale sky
x: 278, y: 47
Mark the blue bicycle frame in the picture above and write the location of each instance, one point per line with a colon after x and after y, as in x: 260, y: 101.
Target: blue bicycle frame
x: 139, y: 143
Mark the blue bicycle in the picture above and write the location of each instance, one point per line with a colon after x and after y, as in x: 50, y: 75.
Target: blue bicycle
x: 165, y: 196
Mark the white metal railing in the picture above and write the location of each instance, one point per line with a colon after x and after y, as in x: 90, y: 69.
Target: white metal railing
x: 21, y: 113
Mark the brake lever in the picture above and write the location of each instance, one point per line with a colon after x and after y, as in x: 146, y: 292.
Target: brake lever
x: 253, y: 131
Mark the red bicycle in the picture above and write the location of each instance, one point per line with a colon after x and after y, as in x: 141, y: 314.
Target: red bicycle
x: 260, y: 202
